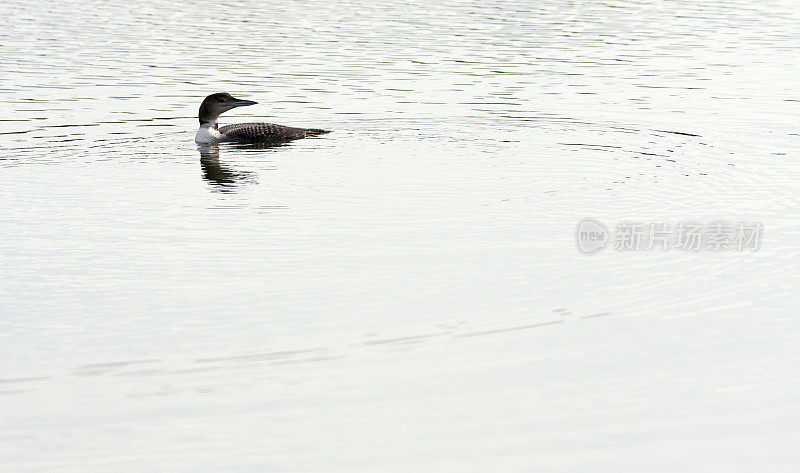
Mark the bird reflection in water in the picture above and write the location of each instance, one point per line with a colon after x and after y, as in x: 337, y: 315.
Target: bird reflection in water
x: 224, y: 178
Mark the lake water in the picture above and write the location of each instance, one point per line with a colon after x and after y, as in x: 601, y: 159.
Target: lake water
x: 405, y: 293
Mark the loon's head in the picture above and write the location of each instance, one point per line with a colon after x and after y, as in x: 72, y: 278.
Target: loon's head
x: 216, y: 104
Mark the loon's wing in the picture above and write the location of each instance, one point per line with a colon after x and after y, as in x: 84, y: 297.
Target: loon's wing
x: 264, y: 132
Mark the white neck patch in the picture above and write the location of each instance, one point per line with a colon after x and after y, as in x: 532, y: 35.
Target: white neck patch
x: 208, y: 133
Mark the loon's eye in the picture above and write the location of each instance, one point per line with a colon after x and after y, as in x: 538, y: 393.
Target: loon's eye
x: 220, y: 100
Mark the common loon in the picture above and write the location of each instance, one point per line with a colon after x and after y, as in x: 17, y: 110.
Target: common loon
x: 216, y: 104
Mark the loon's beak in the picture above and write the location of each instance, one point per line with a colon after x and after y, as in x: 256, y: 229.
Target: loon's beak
x: 242, y: 103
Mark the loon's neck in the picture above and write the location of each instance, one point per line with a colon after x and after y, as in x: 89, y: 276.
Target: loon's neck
x: 208, y: 132
x: 209, y: 123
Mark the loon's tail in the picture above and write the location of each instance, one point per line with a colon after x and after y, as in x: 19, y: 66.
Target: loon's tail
x: 315, y: 131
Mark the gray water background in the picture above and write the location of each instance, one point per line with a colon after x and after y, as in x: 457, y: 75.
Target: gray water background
x: 405, y: 293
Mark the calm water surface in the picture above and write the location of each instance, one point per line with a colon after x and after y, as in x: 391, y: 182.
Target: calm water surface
x: 405, y: 293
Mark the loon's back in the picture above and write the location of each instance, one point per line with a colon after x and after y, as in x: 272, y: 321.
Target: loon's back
x: 265, y: 132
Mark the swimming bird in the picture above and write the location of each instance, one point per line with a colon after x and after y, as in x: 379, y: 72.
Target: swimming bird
x: 210, y: 132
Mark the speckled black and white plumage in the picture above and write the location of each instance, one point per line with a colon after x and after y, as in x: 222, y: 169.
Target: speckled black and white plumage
x: 265, y: 132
